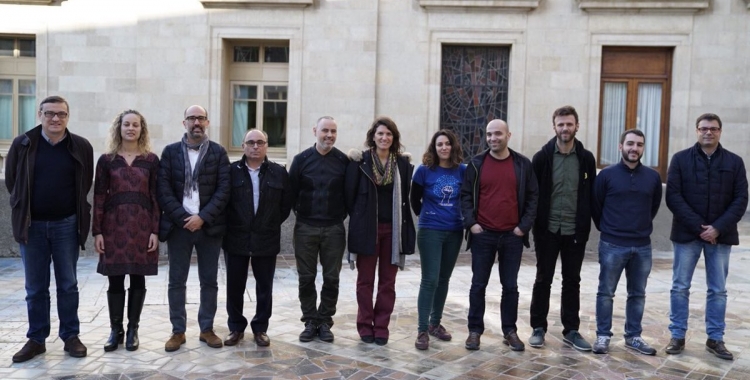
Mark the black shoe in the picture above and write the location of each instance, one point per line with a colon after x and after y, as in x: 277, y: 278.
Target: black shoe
x: 234, y: 338
x: 324, y: 333
x: 367, y: 338
x: 29, y: 351
x: 717, y: 348
x: 472, y: 342
x: 513, y: 341
x: 136, y: 298
x: 74, y: 347
x: 381, y: 341
x: 675, y: 346
x: 116, y: 305
x: 309, y: 333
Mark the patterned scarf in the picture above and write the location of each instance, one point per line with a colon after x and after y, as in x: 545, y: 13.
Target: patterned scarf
x: 192, y: 174
x: 383, y: 174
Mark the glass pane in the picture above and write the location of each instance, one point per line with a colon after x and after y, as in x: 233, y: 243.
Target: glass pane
x: 27, y: 87
x: 274, y: 93
x: 613, y: 121
x: 247, y: 54
x: 245, y: 92
x: 274, y: 123
x: 27, y: 48
x: 649, y: 120
x: 7, y: 46
x: 243, y: 118
x: 26, y: 113
x: 6, y: 87
x: 277, y: 54
x: 6, y: 117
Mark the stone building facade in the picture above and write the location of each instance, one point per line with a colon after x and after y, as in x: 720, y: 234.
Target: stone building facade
x: 281, y: 64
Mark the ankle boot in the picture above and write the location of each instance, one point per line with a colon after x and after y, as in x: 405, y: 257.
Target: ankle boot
x: 116, y: 303
x: 136, y: 297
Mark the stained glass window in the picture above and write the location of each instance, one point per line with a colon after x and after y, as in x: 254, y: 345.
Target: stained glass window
x: 473, y: 91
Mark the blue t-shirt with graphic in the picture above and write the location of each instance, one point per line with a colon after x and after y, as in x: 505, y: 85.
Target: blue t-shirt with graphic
x: 441, y: 208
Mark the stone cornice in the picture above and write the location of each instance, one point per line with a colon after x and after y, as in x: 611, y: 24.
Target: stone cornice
x: 512, y: 5
x: 256, y: 3
x: 644, y: 5
x: 27, y: 2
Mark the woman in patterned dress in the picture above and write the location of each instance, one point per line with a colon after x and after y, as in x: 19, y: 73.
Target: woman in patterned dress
x: 126, y: 222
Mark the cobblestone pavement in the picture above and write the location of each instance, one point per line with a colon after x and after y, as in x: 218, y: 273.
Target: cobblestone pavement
x: 349, y: 358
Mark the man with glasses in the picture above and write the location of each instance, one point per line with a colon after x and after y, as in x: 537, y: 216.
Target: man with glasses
x: 707, y: 194
x: 260, y: 202
x: 48, y: 172
x: 317, y: 181
x: 193, y: 191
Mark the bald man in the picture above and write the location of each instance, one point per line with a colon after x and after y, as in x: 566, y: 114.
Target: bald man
x: 498, y: 200
x: 193, y: 191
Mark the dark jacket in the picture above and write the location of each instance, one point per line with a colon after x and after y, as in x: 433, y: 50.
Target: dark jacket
x: 362, y: 202
x: 526, y: 189
x: 317, y: 184
x: 542, y: 163
x: 251, y: 233
x: 703, y: 191
x: 20, y: 163
x: 213, y: 189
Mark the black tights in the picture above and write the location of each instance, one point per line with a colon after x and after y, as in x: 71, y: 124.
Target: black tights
x: 117, y: 283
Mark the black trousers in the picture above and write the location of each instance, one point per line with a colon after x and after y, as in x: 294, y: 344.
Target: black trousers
x: 571, y: 252
x: 263, y: 271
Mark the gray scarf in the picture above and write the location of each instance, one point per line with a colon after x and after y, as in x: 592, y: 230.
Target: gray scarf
x: 192, y: 174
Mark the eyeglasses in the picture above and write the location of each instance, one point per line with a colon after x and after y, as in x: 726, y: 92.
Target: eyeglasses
x: 704, y: 130
x: 51, y: 115
x: 192, y: 119
x: 255, y: 142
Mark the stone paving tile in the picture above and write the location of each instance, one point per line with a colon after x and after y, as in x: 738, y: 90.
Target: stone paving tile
x: 349, y: 358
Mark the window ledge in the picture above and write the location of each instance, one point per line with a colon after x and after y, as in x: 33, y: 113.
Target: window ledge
x: 522, y: 5
x: 643, y: 5
x: 256, y: 3
x: 29, y: 2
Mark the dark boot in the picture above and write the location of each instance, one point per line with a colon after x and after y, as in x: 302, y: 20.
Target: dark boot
x: 116, y: 303
x: 136, y: 297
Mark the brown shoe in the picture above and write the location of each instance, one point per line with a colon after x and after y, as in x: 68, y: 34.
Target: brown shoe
x: 439, y: 332
x: 472, y: 342
x: 174, y: 342
x: 210, y: 338
x: 74, y: 347
x: 29, y: 351
x: 262, y: 339
x: 423, y: 341
x: 234, y: 338
x: 513, y: 341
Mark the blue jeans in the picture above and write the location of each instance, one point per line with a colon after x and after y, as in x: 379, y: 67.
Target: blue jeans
x: 508, y: 248
x: 180, y: 248
x: 686, y: 257
x: 57, y: 243
x: 636, y: 261
x: 438, y: 252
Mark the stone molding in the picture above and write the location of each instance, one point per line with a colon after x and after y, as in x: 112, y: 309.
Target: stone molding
x: 511, y: 5
x: 27, y: 2
x: 644, y: 5
x: 256, y: 3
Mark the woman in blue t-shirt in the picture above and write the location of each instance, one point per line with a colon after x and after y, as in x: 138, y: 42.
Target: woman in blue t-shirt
x: 435, y: 199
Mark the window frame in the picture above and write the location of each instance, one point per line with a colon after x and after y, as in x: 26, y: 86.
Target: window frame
x: 259, y: 101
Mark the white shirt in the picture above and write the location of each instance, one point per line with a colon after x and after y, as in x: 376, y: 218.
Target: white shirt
x: 192, y: 202
x: 255, y: 178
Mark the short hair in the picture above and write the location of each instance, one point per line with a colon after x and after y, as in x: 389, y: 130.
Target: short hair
x: 387, y: 122
x: 708, y: 117
x: 565, y: 111
x: 430, y: 156
x: 184, y: 113
x: 636, y: 132
x: 115, y: 134
x: 54, y: 99
x: 324, y: 118
x: 256, y: 129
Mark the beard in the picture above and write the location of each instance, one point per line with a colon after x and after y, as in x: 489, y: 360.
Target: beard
x: 626, y: 157
x: 566, y: 137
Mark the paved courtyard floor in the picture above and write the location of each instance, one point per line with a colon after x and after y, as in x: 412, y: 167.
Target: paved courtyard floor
x: 349, y: 358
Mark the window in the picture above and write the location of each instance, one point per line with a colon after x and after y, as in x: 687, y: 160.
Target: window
x: 258, y: 91
x: 473, y: 91
x: 635, y: 88
x: 17, y: 86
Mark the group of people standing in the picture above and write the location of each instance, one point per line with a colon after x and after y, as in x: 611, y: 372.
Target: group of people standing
x: 193, y: 198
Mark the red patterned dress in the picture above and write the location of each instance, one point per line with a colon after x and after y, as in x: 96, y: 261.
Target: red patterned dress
x: 126, y: 213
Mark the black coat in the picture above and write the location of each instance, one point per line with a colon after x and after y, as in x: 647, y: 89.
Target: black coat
x: 542, y: 163
x: 213, y: 189
x: 362, y: 203
x: 706, y: 192
x: 251, y: 233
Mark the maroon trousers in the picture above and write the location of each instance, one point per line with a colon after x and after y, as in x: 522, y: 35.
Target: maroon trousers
x: 373, y: 321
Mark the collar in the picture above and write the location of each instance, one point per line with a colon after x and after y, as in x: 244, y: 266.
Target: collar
x: 44, y: 135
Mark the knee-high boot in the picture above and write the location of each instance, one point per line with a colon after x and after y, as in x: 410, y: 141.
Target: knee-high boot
x: 116, y: 303
x: 136, y: 297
